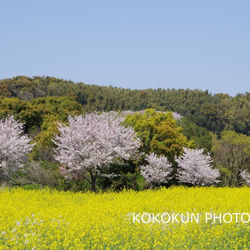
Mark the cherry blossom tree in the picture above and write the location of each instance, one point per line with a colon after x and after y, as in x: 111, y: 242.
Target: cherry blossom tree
x: 91, y: 143
x: 158, y: 169
x: 196, y: 168
x: 14, y: 147
x: 245, y: 177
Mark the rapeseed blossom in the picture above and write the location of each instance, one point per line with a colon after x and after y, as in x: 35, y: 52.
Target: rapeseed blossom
x: 49, y: 219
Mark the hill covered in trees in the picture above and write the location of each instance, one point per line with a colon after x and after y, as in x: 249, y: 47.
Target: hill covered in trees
x: 216, y: 112
x: 218, y: 124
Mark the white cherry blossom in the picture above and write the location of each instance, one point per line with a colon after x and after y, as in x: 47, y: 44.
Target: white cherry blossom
x: 196, y: 168
x: 91, y: 142
x: 158, y: 169
x: 14, y: 146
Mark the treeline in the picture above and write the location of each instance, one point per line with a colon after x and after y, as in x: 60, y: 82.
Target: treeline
x: 214, y: 112
x: 215, y: 123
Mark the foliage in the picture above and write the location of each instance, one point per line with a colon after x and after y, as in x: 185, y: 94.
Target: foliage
x: 213, y: 112
x: 201, y: 137
x: 143, y: 123
x: 195, y: 168
x: 91, y: 143
x: 169, y: 140
x: 40, y: 117
x: 40, y: 173
x: 14, y: 147
x: 43, y: 150
x: 232, y: 156
x: 124, y: 175
x: 158, y: 132
x: 32, y: 113
x: 44, y: 174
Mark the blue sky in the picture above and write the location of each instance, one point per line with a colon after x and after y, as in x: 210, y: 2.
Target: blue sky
x: 134, y: 44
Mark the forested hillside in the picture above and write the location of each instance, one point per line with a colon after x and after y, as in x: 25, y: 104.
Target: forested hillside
x: 214, y: 112
x: 217, y: 125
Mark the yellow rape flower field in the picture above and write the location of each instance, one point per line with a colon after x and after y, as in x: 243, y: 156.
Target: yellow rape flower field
x: 175, y: 218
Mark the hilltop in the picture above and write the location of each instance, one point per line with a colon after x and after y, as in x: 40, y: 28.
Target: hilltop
x: 214, y: 112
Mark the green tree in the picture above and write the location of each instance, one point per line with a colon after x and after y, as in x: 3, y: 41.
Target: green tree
x: 43, y: 150
x: 201, y: 136
x: 169, y: 140
x: 232, y: 156
x: 159, y: 133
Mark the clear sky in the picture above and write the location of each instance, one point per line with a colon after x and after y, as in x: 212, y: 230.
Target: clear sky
x: 134, y: 44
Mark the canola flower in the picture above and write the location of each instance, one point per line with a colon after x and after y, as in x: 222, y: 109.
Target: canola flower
x: 49, y: 219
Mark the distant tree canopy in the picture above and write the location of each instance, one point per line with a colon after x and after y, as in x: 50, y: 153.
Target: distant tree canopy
x: 40, y: 117
x: 35, y: 111
x: 214, y: 112
x: 201, y: 137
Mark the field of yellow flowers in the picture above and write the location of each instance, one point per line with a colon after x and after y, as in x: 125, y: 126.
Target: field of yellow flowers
x: 175, y: 218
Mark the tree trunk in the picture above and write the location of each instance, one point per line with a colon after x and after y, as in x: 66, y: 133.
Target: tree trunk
x: 93, y: 182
